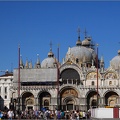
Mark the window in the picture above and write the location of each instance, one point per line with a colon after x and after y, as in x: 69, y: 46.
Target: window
x: 5, y: 96
x: 92, y: 83
x: 114, y: 82
x: 5, y: 89
x: 46, y: 103
x: 110, y: 82
x: 77, y: 60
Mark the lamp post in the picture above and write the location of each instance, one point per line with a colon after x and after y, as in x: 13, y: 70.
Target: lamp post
x: 97, y: 74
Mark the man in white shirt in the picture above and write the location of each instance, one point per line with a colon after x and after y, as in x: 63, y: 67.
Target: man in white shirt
x: 10, y: 114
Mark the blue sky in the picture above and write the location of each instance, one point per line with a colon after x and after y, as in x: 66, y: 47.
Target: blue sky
x: 34, y: 24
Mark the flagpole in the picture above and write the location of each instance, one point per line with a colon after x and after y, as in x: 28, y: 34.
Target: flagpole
x: 19, y: 79
x: 57, y: 63
x: 97, y: 76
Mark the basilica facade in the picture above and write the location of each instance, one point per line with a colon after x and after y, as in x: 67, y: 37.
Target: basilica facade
x: 80, y: 81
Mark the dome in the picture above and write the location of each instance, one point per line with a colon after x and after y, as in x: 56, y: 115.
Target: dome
x: 48, y: 62
x: 78, y: 43
x: 115, y: 62
x: 86, y: 42
x: 81, y: 53
x: 50, y: 54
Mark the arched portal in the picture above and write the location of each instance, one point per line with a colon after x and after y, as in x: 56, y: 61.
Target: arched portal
x: 111, y: 99
x: 28, y: 101
x: 68, y: 99
x: 93, y: 103
x: 92, y: 100
x: 44, y: 100
x: 69, y: 103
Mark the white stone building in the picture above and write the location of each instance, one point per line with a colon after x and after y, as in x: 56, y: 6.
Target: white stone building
x: 76, y: 83
x: 6, y: 81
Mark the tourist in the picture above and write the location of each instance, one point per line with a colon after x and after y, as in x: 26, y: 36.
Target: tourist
x: 10, y: 114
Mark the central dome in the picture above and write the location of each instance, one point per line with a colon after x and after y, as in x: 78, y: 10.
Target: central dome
x: 81, y: 53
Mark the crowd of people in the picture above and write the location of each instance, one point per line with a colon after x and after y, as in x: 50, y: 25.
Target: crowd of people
x: 45, y: 115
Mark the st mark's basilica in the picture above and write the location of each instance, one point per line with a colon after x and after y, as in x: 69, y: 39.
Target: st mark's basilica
x: 80, y: 81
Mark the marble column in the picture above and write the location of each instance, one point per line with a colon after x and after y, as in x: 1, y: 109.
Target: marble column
x: 36, y: 103
x: 102, y: 102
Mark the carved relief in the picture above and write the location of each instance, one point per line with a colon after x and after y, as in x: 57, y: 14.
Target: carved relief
x: 110, y: 76
x: 70, y: 92
x: 29, y: 101
x: 92, y: 75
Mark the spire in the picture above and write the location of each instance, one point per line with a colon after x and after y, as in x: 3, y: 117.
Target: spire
x: 50, y: 46
x: 30, y: 64
x: 78, y: 43
x: 63, y: 61
x: 85, y: 33
x: 78, y: 33
x: 102, y: 64
x: 38, y: 62
x: 50, y: 54
x: 26, y: 64
x: 102, y: 59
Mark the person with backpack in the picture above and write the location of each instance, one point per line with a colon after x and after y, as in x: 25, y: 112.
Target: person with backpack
x: 1, y: 114
x: 62, y: 114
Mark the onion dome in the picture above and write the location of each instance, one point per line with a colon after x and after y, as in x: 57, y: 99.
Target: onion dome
x: 50, y: 54
x: 86, y: 42
x: 49, y: 62
x: 115, y: 62
x: 78, y: 43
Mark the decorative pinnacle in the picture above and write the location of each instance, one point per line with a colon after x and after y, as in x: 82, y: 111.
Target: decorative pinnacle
x: 50, y: 46
x: 78, y: 32
x: 85, y: 32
